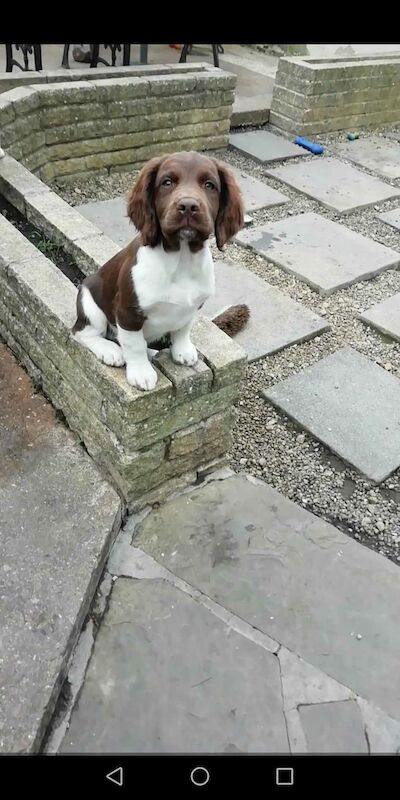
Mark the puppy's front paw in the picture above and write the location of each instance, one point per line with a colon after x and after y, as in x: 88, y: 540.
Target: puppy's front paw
x: 186, y: 354
x: 141, y: 376
x: 110, y: 353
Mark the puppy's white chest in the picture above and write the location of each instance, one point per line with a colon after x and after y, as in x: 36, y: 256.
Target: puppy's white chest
x: 186, y: 291
x: 170, y: 287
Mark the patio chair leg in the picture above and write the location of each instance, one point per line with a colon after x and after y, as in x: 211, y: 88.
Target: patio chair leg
x: 37, y: 54
x: 185, y: 50
x: 215, y: 54
x: 65, y: 58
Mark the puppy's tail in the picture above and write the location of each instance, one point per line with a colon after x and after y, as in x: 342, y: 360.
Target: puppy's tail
x: 233, y: 319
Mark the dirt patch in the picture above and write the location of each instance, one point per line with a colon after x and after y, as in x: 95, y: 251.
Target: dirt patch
x: 25, y: 415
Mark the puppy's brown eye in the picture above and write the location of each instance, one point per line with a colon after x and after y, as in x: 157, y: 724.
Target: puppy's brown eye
x: 209, y: 185
x: 166, y: 182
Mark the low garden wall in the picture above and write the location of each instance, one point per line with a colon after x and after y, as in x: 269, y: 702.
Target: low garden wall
x: 152, y: 443
x: 92, y: 124
x: 313, y: 96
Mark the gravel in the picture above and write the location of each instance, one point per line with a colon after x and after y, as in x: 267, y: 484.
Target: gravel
x: 268, y: 445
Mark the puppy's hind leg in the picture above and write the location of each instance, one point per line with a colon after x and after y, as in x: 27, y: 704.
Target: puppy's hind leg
x: 90, y: 330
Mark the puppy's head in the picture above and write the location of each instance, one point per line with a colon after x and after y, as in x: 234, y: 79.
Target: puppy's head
x: 185, y: 196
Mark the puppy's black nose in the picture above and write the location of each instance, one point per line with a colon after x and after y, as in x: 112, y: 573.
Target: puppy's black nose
x: 188, y: 206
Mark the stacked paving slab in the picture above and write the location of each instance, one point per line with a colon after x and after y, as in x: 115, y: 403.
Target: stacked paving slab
x: 313, y: 96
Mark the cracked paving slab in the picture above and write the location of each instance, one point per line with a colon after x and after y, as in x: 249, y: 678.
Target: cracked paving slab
x: 191, y: 665
x: 289, y: 574
x: 167, y: 676
x: 334, y: 727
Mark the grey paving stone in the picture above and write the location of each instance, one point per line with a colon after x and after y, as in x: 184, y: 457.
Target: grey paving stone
x: 110, y: 216
x: 334, y: 728
x: 297, y: 740
x: 56, y: 523
x: 166, y: 676
x: 375, y: 153
x: 265, y: 146
x: 391, y: 218
x: 303, y: 684
x: 385, y: 316
x: 276, y: 320
x: 336, y: 401
x: 338, y: 186
x: 289, y: 574
x: 382, y: 730
x: 323, y: 253
x: 256, y: 194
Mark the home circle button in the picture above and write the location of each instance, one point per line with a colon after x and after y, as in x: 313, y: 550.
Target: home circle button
x: 200, y: 776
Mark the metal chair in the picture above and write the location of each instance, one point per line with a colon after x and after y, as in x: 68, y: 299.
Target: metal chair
x: 27, y: 50
x: 187, y: 48
x: 95, y: 59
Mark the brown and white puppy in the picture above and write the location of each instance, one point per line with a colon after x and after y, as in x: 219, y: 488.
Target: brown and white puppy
x: 155, y: 285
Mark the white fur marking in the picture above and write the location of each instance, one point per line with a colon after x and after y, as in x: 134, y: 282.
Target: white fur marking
x: 170, y: 287
x: 139, y: 371
x: 92, y: 335
x: 183, y: 350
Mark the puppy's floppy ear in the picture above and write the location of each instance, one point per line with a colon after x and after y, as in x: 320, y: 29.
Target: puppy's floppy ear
x: 231, y: 212
x: 141, y: 209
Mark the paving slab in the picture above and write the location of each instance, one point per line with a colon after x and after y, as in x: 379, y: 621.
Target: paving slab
x: 324, y: 254
x: 391, y: 218
x: 57, y: 520
x: 375, y: 153
x: 382, y: 730
x: 291, y: 575
x: 334, y: 728
x: 166, y: 676
x: 303, y: 684
x: 276, y: 321
x: 336, y: 401
x: 256, y: 194
x: 385, y: 316
x: 264, y: 146
x: 338, y: 186
x: 110, y: 216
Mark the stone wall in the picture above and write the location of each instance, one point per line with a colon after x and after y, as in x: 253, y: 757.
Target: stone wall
x: 152, y: 443
x: 11, y: 80
x: 65, y: 130
x: 313, y: 96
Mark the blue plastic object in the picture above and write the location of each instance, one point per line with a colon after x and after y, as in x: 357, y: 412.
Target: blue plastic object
x: 317, y: 149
